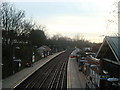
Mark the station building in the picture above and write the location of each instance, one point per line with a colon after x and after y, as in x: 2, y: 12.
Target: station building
x: 103, y: 71
x: 109, y: 55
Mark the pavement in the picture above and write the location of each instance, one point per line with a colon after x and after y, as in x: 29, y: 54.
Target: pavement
x: 75, y: 79
x: 17, y: 78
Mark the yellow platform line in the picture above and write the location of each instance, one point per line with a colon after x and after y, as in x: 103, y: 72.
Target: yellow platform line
x: 69, y: 76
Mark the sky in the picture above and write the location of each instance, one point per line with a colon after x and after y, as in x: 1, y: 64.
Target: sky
x: 88, y: 18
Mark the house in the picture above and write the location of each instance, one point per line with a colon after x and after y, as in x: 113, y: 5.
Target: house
x: 109, y: 55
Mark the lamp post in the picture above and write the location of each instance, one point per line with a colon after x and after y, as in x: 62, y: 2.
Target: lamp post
x: 114, y: 83
x: 16, y: 60
x: 19, y: 63
x: 13, y: 64
x: 33, y: 57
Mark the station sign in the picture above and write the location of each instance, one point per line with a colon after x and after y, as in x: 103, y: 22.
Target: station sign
x: 17, y: 60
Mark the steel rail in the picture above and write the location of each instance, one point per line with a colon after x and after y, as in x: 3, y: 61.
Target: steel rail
x: 38, y: 72
x: 48, y: 75
x: 56, y: 71
x: 54, y: 78
x: 52, y: 75
x: 42, y: 77
x: 63, y: 78
x: 60, y: 75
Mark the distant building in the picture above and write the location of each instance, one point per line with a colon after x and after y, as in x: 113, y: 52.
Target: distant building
x: 87, y: 49
x: 44, y: 51
x: 109, y: 55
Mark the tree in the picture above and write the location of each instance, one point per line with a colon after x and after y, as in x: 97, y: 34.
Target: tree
x: 113, y: 21
x: 79, y: 36
x: 11, y: 19
x: 37, y: 37
x: 19, y: 37
x: 27, y: 26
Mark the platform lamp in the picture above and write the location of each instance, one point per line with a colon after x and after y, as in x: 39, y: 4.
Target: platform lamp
x: 114, y: 81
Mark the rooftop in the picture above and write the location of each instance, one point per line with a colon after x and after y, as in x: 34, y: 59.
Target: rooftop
x: 113, y: 45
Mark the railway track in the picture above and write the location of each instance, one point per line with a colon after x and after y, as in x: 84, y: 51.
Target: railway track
x: 52, y: 75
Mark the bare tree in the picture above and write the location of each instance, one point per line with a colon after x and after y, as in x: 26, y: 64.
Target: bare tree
x: 11, y: 18
x: 41, y: 27
x: 56, y: 37
x: 113, y: 21
x: 79, y: 36
x: 27, y: 26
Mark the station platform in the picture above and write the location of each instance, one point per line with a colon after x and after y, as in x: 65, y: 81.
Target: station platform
x: 75, y: 78
x: 14, y: 80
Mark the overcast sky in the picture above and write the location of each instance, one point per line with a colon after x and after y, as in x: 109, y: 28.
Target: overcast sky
x: 69, y: 18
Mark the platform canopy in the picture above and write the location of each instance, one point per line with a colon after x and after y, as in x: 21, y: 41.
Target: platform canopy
x: 43, y: 48
x: 110, y: 49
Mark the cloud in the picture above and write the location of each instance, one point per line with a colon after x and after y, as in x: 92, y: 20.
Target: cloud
x: 76, y: 24
x: 105, y: 1
x: 82, y: 16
